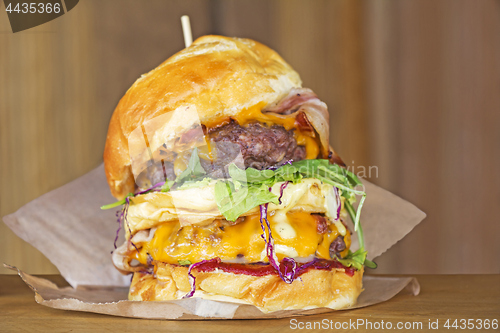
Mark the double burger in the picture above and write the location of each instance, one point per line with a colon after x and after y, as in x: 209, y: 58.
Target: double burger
x: 227, y: 184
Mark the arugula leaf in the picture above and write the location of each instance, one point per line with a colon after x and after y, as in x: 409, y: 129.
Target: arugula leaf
x: 357, y: 260
x: 288, y: 173
x: 370, y: 264
x: 234, y: 202
x: 193, y: 170
x: 118, y: 203
x: 166, y: 187
x: 192, y: 184
x: 249, y: 175
x: 353, y: 179
x: 184, y: 262
x: 355, y: 218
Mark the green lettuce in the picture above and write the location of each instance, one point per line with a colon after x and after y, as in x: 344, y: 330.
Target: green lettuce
x: 184, y: 262
x: 193, y: 171
x: 196, y: 183
x: 357, y: 259
x: 234, y: 199
x: 118, y: 203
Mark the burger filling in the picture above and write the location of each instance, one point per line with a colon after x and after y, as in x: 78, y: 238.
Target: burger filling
x: 261, y: 147
x: 296, y: 234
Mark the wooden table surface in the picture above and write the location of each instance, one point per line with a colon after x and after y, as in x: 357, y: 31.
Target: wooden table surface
x: 442, y: 297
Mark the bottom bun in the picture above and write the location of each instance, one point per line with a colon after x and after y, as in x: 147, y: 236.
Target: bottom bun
x: 315, y: 288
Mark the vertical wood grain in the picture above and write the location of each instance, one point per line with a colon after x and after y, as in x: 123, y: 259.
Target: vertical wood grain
x: 380, y: 31
x: 323, y: 42
x: 48, y: 116
x: 435, y: 75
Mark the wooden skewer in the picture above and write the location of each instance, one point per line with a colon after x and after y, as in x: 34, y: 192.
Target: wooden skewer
x: 186, y: 30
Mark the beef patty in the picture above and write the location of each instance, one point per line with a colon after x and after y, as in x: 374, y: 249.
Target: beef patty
x: 261, y: 147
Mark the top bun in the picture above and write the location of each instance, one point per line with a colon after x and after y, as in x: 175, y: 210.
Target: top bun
x: 220, y: 76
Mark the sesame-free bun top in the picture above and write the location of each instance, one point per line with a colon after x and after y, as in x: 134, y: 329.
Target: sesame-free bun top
x: 219, y: 76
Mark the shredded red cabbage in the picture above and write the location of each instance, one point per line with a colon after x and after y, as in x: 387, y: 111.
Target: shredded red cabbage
x: 192, y: 279
x: 287, y: 269
x: 279, y: 166
x: 148, y: 271
x: 306, y: 265
x: 282, y: 187
x: 149, y: 189
x: 124, y: 217
x: 339, y: 202
x: 119, y: 215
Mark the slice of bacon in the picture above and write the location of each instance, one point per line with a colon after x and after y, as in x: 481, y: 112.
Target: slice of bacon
x: 292, y: 102
x: 309, y: 113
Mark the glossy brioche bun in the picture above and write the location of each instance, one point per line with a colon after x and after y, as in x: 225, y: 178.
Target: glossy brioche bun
x: 221, y: 76
x: 316, y: 288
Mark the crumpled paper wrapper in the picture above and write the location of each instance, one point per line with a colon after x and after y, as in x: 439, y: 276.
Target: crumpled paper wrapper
x: 113, y: 301
x: 69, y: 228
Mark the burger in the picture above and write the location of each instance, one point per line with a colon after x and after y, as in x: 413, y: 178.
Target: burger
x: 228, y: 188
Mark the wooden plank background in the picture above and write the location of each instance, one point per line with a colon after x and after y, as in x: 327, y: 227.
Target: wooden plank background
x: 413, y: 88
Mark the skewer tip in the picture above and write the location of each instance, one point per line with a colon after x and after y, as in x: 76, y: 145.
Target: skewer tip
x: 186, y: 30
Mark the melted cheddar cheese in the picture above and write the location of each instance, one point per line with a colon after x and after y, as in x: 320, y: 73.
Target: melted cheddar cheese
x: 295, y: 235
x: 254, y: 113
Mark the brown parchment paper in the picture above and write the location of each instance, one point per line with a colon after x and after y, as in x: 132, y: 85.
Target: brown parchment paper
x: 69, y: 228
x: 113, y: 301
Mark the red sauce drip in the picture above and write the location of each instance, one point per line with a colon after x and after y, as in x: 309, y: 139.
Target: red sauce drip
x: 262, y: 269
